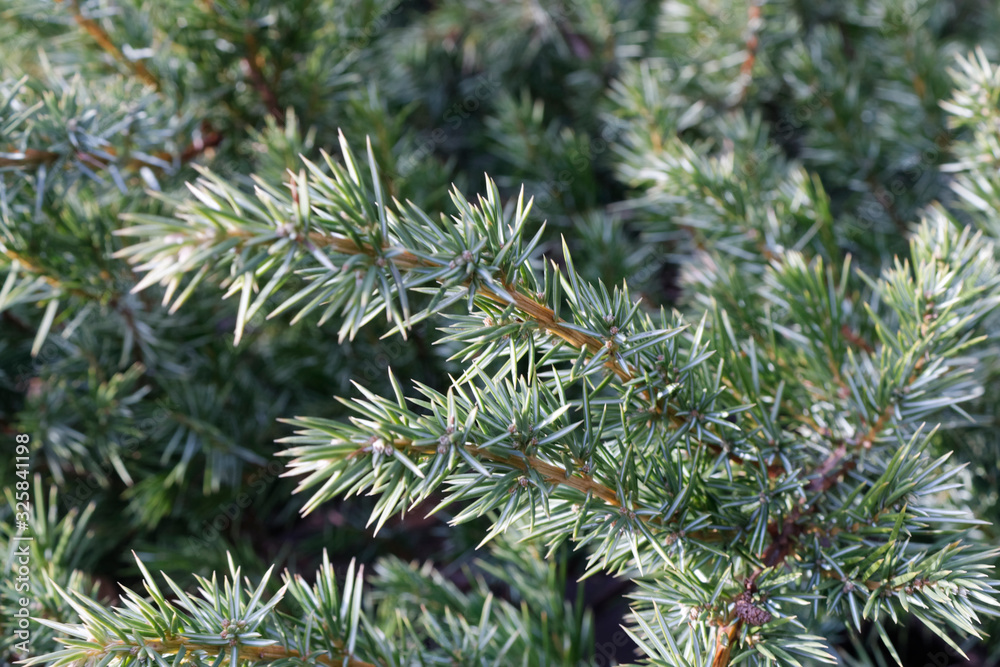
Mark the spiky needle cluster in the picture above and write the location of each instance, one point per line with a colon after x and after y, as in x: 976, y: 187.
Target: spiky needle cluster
x: 765, y: 467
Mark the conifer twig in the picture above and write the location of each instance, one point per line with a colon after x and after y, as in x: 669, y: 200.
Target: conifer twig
x: 93, y: 28
x: 252, y: 653
x: 32, y: 157
x: 259, y: 81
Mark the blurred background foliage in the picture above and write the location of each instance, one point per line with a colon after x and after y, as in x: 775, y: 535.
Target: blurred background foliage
x: 159, y: 432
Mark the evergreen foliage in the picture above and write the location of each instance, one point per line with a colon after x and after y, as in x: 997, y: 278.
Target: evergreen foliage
x: 721, y: 318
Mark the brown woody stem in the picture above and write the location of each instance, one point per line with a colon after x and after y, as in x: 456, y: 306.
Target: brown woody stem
x: 32, y: 157
x: 252, y: 653
x: 92, y: 28
x: 253, y: 62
